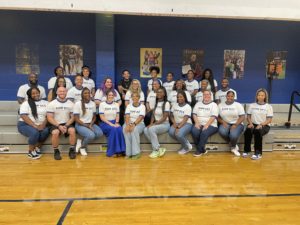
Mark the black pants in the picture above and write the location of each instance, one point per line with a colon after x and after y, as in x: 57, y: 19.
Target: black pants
x: 258, y: 135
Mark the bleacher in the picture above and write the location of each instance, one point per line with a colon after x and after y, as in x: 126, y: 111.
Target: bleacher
x: 279, y: 138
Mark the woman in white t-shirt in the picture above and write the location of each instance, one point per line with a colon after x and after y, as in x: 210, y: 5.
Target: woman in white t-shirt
x: 179, y: 86
x: 135, y: 87
x: 231, y: 117
x: 159, y: 123
x: 205, y: 115
x: 84, y: 112
x: 212, y: 83
x: 100, y: 95
x: 169, y: 84
x: 59, y: 72
x: 109, y: 112
x: 150, y: 103
x: 134, y: 126
x: 32, y: 122
x: 259, y: 116
x: 181, y: 122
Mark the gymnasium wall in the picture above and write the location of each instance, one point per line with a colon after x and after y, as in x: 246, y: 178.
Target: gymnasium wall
x: 213, y: 36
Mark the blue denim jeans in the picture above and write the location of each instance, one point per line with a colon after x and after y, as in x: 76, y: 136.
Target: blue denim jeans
x: 152, y: 132
x: 132, y: 139
x: 88, y: 134
x: 181, y: 135
x: 232, y: 136
x: 201, y: 136
x: 34, y: 135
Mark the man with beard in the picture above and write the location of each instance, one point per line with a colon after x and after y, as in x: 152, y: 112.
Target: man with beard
x: 32, y: 82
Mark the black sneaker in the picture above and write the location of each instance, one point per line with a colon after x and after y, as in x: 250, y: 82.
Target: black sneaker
x: 38, y: 151
x: 57, y: 154
x: 72, y: 153
x: 197, y: 154
x: 31, y: 155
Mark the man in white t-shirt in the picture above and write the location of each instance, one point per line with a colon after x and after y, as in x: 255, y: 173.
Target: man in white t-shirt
x: 60, y: 116
x: 32, y: 82
x: 221, y: 94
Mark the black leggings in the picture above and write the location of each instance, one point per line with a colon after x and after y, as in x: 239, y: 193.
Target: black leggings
x: 258, y: 135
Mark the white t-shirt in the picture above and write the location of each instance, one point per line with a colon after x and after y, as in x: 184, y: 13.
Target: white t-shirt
x: 90, y: 108
x: 172, y: 98
x: 205, y: 111
x: 151, y: 99
x: 158, y: 113
x: 150, y: 82
x: 169, y: 86
x: 89, y: 83
x: 109, y: 110
x: 260, y: 113
x: 51, y: 83
x: 191, y: 86
x: 199, y: 96
x: 135, y: 112
x: 128, y: 96
x: 221, y: 95
x: 22, y: 91
x: 231, y: 113
x: 209, y: 86
x: 61, y: 110
x: 100, y: 96
x: 74, y: 94
x: 41, y: 109
x: 179, y: 112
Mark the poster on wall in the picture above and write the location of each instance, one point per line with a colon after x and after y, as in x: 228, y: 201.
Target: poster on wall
x: 71, y: 58
x: 150, y: 57
x: 192, y: 60
x: 27, y: 58
x: 276, y: 64
x: 234, y: 64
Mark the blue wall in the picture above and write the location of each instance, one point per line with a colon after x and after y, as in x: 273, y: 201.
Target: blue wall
x: 130, y: 33
x: 48, y: 30
x: 213, y: 35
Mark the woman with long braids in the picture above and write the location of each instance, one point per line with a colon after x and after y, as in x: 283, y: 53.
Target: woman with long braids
x: 32, y: 122
x: 60, y: 82
x: 85, y: 116
x: 212, y: 85
x: 159, y: 123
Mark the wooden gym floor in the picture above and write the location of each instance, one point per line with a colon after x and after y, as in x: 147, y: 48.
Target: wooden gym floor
x: 217, y: 188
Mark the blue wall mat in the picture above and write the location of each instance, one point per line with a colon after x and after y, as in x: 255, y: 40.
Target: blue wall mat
x: 212, y: 35
x: 48, y: 30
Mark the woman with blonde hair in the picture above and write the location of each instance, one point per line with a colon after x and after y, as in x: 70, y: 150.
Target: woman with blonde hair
x: 259, y: 116
x: 135, y: 87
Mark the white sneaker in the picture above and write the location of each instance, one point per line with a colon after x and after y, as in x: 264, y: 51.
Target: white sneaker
x: 256, y: 157
x: 245, y: 154
x: 78, y: 145
x: 183, y: 151
x: 83, y: 151
x: 190, y: 147
x: 235, y: 151
x: 4, y: 149
x: 36, y: 154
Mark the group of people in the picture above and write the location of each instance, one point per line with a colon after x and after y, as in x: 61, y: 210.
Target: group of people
x: 123, y: 114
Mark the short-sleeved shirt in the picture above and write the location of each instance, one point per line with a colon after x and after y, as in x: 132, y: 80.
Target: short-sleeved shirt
x: 169, y: 86
x: 159, y: 113
x: 22, y: 92
x: 199, y: 96
x: 151, y: 99
x: 172, y: 98
x: 209, y: 86
x: 90, y: 110
x: 88, y: 83
x: 128, y: 96
x: 100, y: 96
x: 191, y: 86
x: 61, y: 110
x: 221, y: 95
x: 74, y: 94
x: 259, y: 113
x: 135, y: 112
x: 109, y: 110
x: 205, y: 111
x: 179, y: 112
x: 51, y: 83
x: 41, y: 109
x: 230, y: 113
x: 150, y: 82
